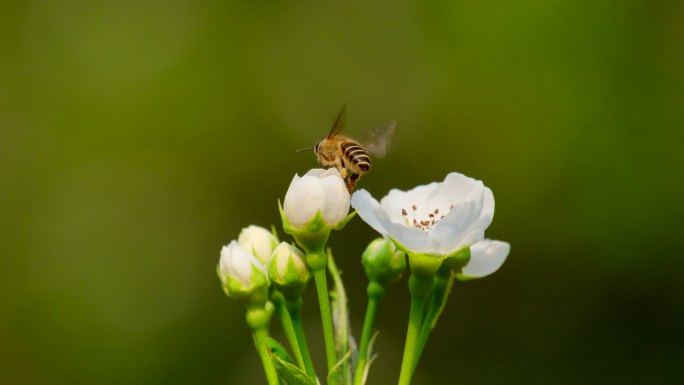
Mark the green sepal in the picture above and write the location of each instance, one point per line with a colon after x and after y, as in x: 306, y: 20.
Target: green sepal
x: 422, y: 264
x: 427, y: 265
x: 255, y: 292
x: 459, y: 273
x: 312, y: 236
x: 346, y: 220
x: 292, y: 282
x: 457, y: 260
x: 291, y: 373
x: 338, y: 368
x: 275, y: 234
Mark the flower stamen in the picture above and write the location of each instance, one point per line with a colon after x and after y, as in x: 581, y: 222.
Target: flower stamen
x: 425, y: 225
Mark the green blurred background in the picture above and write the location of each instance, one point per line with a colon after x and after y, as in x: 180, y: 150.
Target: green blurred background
x: 137, y: 138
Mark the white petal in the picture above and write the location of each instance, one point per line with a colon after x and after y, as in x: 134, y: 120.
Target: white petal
x: 412, y: 238
x: 485, y: 258
x: 303, y: 199
x: 472, y: 208
x: 488, y: 205
x: 295, y: 178
x: 223, y: 263
x: 370, y: 210
x: 280, y: 257
x: 378, y: 218
x: 237, y: 263
x: 322, y: 173
x: 241, y: 265
x: 396, y: 200
x: 456, y: 229
x: 259, y: 241
x: 317, y: 172
x: 336, y: 205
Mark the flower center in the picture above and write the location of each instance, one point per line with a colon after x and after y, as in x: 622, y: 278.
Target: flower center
x: 425, y: 224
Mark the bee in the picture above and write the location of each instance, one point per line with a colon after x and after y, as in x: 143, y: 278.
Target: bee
x: 349, y: 156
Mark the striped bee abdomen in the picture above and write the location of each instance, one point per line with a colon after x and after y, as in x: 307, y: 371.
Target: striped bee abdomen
x: 356, y: 155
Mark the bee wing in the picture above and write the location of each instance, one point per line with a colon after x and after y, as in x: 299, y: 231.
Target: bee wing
x: 377, y: 141
x: 339, y: 123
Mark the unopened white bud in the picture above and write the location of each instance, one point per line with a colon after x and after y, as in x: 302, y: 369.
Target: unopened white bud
x: 258, y: 241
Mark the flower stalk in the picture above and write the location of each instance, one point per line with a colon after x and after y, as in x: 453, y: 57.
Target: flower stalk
x: 294, y: 308
x: 375, y: 293
x: 321, y: 281
x: 283, y: 315
x: 419, y: 288
x: 440, y: 292
x: 258, y: 318
x: 383, y: 265
x: 290, y: 275
x: 340, y: 315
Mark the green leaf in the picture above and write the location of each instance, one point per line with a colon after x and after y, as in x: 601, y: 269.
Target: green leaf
x: 291, y: 373
x: 371, y: 358
x: 278, y: 350
x: 340, y: 315
x: 337, y: 369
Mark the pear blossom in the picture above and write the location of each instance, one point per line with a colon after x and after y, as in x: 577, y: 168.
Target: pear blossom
x: 240, y: 272
x: 259, y: 241
x: 318, y: 190
x: 437, y: 219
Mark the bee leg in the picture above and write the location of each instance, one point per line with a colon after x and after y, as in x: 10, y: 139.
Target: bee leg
x: 351, y: 181
x: 343, y: 173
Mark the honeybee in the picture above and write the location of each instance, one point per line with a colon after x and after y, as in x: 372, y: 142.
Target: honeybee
x: 349, y: 156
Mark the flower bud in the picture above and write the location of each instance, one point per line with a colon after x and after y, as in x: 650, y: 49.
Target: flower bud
x: 321, y: 191
x: 258, y: 241
x: 242, y: 275
x: 288, y: 270
x: 315, y: 204
x: 382, y: 261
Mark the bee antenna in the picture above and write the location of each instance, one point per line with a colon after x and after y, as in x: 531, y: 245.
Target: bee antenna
x: 305, y: 149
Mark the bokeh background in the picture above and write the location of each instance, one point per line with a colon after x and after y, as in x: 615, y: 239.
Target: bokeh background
x: 136, y: 138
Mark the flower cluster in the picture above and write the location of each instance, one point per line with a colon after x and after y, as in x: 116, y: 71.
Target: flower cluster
x: 437, y: 229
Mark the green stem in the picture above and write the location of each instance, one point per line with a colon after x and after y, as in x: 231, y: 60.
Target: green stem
x: 375, y: 293
x: 326, y: 318
x: 260, y: 337
x: 294, y: 308
x: 341, y: 322
x: 438, y: 297
x: 419, y: 287
x: 286, y: 323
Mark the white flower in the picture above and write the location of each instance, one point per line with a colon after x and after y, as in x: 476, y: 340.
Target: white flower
x: 240, y: 272
x: 259, y: 241
x: 436, y: 219
x: 318, y: 190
